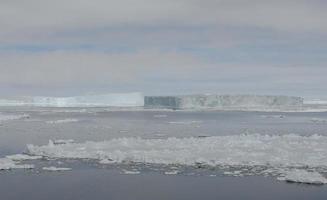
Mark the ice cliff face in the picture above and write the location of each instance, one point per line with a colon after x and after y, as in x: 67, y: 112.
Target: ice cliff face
x: 123, y: 100
x: 115, y: 100
x: 172, y: 102
x: 221, y: 101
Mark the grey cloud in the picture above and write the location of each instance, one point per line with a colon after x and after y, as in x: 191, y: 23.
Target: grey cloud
x: 289, y: 15
x: 149, y: 71
x: 204, y: 23
x: 151, y: 60
x: 83, y: 67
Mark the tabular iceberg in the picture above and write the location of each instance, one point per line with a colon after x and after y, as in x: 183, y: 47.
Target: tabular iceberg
x: 222, y: 101
x: 115, y: 100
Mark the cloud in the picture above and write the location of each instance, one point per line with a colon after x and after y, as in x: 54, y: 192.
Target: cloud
x: 161, y: 24
x: 47, y: 16
x: 179, y: 45
x: 84, y: 67
x: 154, y: 72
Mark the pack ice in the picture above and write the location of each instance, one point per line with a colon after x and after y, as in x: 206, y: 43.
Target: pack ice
x: 259, y: 154
x: 8, y: 117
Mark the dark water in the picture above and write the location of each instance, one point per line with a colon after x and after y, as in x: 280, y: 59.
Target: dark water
x: 96, y: 183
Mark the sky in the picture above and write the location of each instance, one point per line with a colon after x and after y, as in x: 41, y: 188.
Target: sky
x: 160, y: 47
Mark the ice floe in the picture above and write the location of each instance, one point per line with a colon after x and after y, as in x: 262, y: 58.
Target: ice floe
x: 303, y: 176
x: 56, y: 168
x: 132, y: 172
x: 106, y: 161
x: 62, y: 121
x: 259, y: 154
x: 273, y: 116
x: 159, y: 116
x: 186, y: 122
x: 22, y: 157
x: 174, y: 172
x: 63, y: 141
x: 6, y: 164
x: 8, y: 117
x: 318, y: 120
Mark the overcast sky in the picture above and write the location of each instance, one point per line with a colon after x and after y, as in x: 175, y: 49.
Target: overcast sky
x: 76, y: 47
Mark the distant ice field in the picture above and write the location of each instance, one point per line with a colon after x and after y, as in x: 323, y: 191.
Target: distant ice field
x: 289, y: 146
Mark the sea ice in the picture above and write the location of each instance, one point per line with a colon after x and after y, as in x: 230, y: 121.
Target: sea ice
x: 318, y: 120
x: 159, y: 116
x: 63, y: 141
x: 273, y: 154
x: 62, y: 121
x: 273, y: 116
x: 7, y: 117
x: 287, y: 150
x: 106, y: 161
x: 212, y: 101
x: 23, y: 157
x: 56, y: 168
x: 174, y: 172
x: 113, y: 99
x: 132, y: 172
x: 6, y: 164
x: 303, y: 176
x: 186, y: 122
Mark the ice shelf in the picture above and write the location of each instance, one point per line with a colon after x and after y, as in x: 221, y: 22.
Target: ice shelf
x: 222, y: 101
x: 105, y: 100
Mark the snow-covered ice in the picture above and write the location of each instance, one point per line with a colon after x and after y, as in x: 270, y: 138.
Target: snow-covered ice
x: 14, y: 161
x: 63, y: 141
x: 131, y: 172
x: 106, y: 161
x: 52, y: 168
x: 7, y: 117
x: 22, y: 157
x: 303, y: 176
x: 185, y: 122
x: 318, y: 120
x: 6, y: 164
x: 315, y: 101
x: 62, y: 121
x: 221, y: 101
x: 275, y: 153
x: 273, y: 116
x: 113, y: 99
x: 159, y: 116
x: 174, y: 172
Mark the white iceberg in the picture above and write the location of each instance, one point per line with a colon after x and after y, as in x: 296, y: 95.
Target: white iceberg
x: 106, y: 100
x: 211, y: 101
